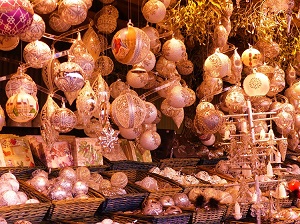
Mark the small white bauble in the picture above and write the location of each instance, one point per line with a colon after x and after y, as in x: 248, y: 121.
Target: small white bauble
x: 256, y: 84
x: 174, y: 50
x: 137, y: 77
x: 37, y: 54
x: 217, y: 65
x: 251, y: 57
x: 149, y: 62
x: 5, y: 186
x: 7, y: 176
x: 80, y: 187
x: 150, y: 140
x: 210, y: 141
x: 154, y: 11
x: 9, y: 198
x: 151, y: 113
x: 22, y: 197
x: 130, y: 133
x: 14, y: 183
x: 180, y: 97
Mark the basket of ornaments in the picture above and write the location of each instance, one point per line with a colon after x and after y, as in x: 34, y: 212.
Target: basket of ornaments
x: 18, y: 202
x: 68, y: 192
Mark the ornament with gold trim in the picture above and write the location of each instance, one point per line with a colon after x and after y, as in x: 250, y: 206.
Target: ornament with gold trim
x: 104, y: 65
x: 217, y: 65
x: 251, y: 57
x: 165, y: 67
x: 149, y: 62
x: 150, y: 140
x: 137, y: 77
x: 174, y: 50
x: 155, y: 44
x: 256, y: 84
x: 106, y: 24
x: 180, y: 96
x: 117, y: 87
x: 8, y: 43
x: 44, y: 7
x: 151, y: 113
x: 92, y: 42
x: 35, y: 31
x: 130, y: 133
x: 154, y: 11
x: 185, y: 67
x: 73, y: 12
x: 57, y: 24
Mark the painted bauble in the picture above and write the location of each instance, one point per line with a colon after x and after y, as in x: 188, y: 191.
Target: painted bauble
x: 83, y: 173
x: 137, y: 77
x: 40, y: 183
x: 22, y: 196
x: 86, y: 102
x: 80, y: 187
x: 92, y: 42
x: 220, y: 36
x: 151, y: 81
x: 103, y: 42
x: 179, y: 97
x: 109, y: 10
x: 35, y: 31
x: 181, y: 200
x: 235, y: 99
x: 209, y: 121
x: 155, y: 44
x: 204, y: 105
x: 256, y: 84
x: 73, y: 12
x: 104, y: 65
x: 66, y: 184
x: 130, y: 133
x: 15, y: 16
x: 87, y: 63
x: 58, y: 193
x: 20, y: 81
x: 105, y: 184
x: 57, y: 24
x: 45, y: 6
x: 166, y: 2
x: 68, y: 173
x: 150, y: 140
x: 174, y: 50
x: 128, y: 111
x: 217, y: 65
x: 284, y: 119
x: 92, y: 128
x: 130, y: 45
x: 251, y: 57
x: 119, y: 179
x: 151, y: 113
x: 7, y: 176
x: 149, y: 62
x: 168, y: 110
x: 154, y: 11
x: 185, y: 67
x: 63, y: 120
x: 37, y: 54
x: 5, y: 186
x: 9, y: 198
x: 8, y: 43
x: 117, y: 87
x: 39, y: 172
x: 165, y: 67
x: 106, y: 24
x: 22, y: 107
x: 69, y: 77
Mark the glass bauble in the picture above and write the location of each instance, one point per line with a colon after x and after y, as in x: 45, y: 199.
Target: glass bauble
x: 37, y: 54
x: 128, y: 111
x: 87, y: 63
x: 155, y: 44
x: 35, y: 31
x: 236, y: 69
x: 154, y: 11
x: 73, y: 12
x: 217, y: 65
x: 150, y: 140
x: 57, y: 24
x: 174, y: 50
x: 48, y: 73
x: 63, y: 119
x: 101, y: 90
x: 130, y: 133
x: 165, y: 67
x: 149, y: 62
x: 209, y: 120
x: 185, y: 67
x: 137, y: 77
x: 92, y: 43
x: 109, y: 10
x: 151, y: 113
x: 45, y: 6
x: 15, y: 16
x: 106, y: 24
x: 256, y: 84
x: 251, y: 57
x: 117, y: 87
x: 8, y: 43
x: 181, y: 97
x: 130, y: 45
x: 104, y: 65
x: 22, y: 107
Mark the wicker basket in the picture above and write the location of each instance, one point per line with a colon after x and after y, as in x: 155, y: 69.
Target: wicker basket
x: 166, y: 187
x: 213, y: 216
x: 32, y: 212
x: 129, y: 165
x: 127, y: 202
x: 178, y: 162
x: 244, y: 210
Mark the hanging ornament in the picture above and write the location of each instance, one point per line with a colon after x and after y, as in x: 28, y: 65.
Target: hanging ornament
x: 178, y: 118
x: 209, y: 87
x: 35, y: 31
x: 251, y: 57
x: 37, y: 54
x: 117, y: 87
x: 2, y: 118
x: 79, y: 125
x: 69, y: 77
x: 48, y: 73
x: 57, y: 24
x: 104, y: 65
x: 268, y: 48
x: 168, y: 110
x: 109, y: 10
x: 151, y: 113
x: 154, y: 11
x: 20, y: 82
x: 185, y: 67
x: 167, y: 85
x: 220, y: 36
x: 45, y: 6
x: 93, y: 128
x: 86, y: 62
x: 152, y: 33
x: 217, y: 65
x: 149, y: 62
x: 86, y: 102
x: 235, y: 100
x: 78, y: 47
x: 22, y: 107
x: 174, y: 50
x: 8, y: 43
x: 63, y: 119
x: 181, y: 97
x: 150, y: 140
x: 236, y: 69
x: 92, y: 42
x: 165, y: 67
x: 48, y: 109
x: 128, y: 110
x: 151, y: 81
x: 108, y: 137
x: 209, y: 121
x: 16, y: 16
x: 290, y: 75
x: 73, y: 12
x: 256, y: 84
x: 101, y: 90
x: 106, y: 24
x: 137, y: 77
x: 103, y: 42
x: 71, y: 96
x: 130, y: 133
x: 284, y: 120
x: 130, y: 45
x: 277, y: 81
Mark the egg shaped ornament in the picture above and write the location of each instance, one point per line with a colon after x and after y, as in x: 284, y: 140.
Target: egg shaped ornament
x: 180, y: 96
x: 137, y: 77
x: 217, y: 65
x: 57, y: 24
x: 154, y: 11
x: 220, y: 36
x: 15, y: 16
x: 2, y: 118
x: 235, y: 75
x: 290, y: 75
x: 22, y: 107
x: 35, y: 31
x: 131, y: 133
x: 165, y: 67
x: 185, y: 67
x: 92, y: 42
x: 49, y: 72
x: 256, y: 84
x: 174, y: 50
x: 168, y: 110
x: 37, y: 54
x: 210, y: 121
x: 251, y: 57
x: 294, y: 91
x: 149, y: 62
x: 44, y: 7
x: 106, y: 24
x: 130, y: 45
x: 69, y: 77
x: 86, y: 102
x: 151, y: 113
x: 128, y: 110
x: 73, y: 12
x: 63, y: 119
x: 18, y: 82
x: 101, y: 89
x: 150, y: 140
x: 117, y: 87
x: 8, y: 43
x: 277, y: 82
x: 86, y: 62
x: 104, y: 65
x: 155, y: 44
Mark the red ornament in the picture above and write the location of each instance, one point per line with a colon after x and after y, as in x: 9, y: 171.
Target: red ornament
x: 294, y: 185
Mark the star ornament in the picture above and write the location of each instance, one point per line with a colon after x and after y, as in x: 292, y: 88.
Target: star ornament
x: 108, y: 137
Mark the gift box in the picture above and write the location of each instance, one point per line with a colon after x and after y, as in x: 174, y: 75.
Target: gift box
x: 87, y: 152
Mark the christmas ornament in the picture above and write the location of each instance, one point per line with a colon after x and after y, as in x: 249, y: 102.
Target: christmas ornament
x: 106, y: 24
x: 174, y: 50
x: 165, y: 67
x: 68, y: 173
x: 119, y: 179
x: 251, y: 57
x: 181, y: 97
x: 92, y: 43
x: 35, y: 31
x: 185, y: 67
x: 48, y: 73
x: 217, y: 65
x: 57, y: 24
x: 151, y: 113
x: 79, y: 188
x: 150, y: 140
x: 209, y: 121
x: 149, y: 62
x: 44, y: 7
x: 154, y: 11
x: 108, y: 137
x: 104, y: 65
x: 8, y: 43
x: 2, y: 118
x: 109, y: 10
x: 40, y: 183
x: 72, y: 12
x: 256, y: 84
x: 37, y: 54
x: 152, y: 33
x: 130, y: 133
x: 137, y: 77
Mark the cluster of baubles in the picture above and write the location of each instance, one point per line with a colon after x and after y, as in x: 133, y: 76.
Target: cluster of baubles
x: 69, y: 184
x: 10, y: 192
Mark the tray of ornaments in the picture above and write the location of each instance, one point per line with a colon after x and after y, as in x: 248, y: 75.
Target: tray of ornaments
x: 68, y: 192
x: 155, y: 185
x: 18, y: 202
